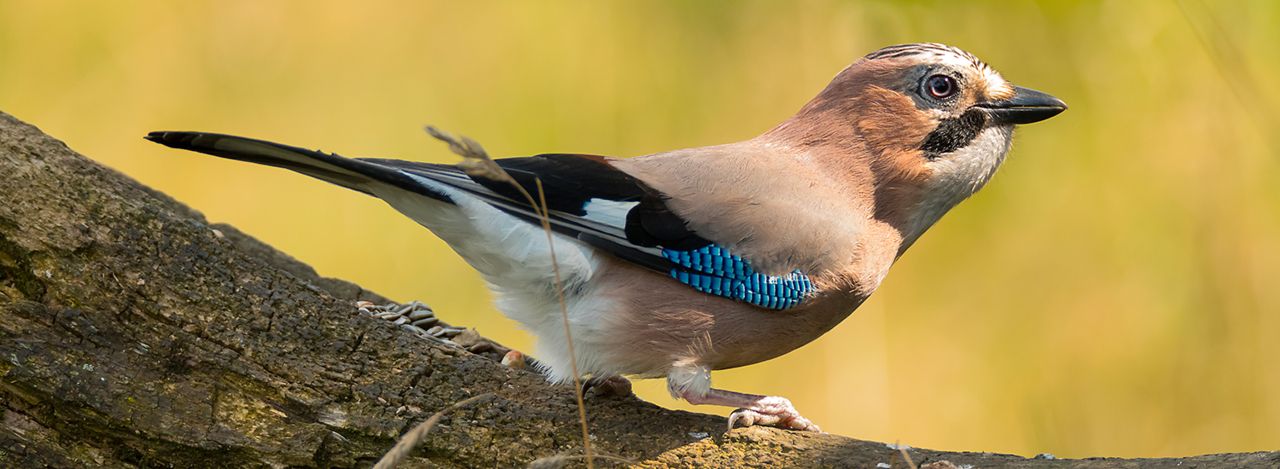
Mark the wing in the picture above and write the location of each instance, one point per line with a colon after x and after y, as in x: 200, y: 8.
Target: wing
x: 592, y: 201
x: 587, y: 199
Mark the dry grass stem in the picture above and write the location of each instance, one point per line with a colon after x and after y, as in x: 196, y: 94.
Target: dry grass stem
x: 476, y: 162
x: 412, y: 438
x: 568, y: 334
x: 906, y: 456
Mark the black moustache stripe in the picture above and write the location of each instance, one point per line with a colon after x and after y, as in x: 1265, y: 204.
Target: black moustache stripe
x: 954, y: 133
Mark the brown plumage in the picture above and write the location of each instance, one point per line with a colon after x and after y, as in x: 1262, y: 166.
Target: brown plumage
x: 836, y: 193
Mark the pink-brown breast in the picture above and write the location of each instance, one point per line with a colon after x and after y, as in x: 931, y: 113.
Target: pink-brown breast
x: 657, y: 321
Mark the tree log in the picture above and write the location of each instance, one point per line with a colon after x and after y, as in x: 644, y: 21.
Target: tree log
x: 135, y: 333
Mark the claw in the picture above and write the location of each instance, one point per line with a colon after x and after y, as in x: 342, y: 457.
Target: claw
x: 737, y: 415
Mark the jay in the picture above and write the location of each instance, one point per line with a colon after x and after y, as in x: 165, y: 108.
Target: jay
x: 682, y: 262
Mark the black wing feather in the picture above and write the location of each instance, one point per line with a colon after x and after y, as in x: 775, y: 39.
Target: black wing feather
x: 345, y: 172
x: 651, y: 223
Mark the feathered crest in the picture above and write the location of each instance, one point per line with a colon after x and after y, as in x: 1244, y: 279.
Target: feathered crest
x: 927, y: 49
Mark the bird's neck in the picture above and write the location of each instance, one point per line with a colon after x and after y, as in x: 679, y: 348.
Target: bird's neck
x: 868, y: 140
x: 888, y: 198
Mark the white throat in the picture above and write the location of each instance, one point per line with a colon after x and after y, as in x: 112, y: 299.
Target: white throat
x: 957, y: 175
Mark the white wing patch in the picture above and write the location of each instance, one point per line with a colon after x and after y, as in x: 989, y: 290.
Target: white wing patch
x: 609, y: 212
x: 508, y: 251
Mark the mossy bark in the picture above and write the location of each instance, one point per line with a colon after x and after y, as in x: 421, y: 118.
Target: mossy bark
x: 135, y: 333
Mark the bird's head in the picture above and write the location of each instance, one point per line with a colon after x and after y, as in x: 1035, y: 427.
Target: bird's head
x: 929, y: 124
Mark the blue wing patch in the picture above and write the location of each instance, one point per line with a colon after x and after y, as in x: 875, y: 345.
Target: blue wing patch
x: 712, y: 269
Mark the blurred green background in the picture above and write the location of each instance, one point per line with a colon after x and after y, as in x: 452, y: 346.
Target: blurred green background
x: 1112, y: 292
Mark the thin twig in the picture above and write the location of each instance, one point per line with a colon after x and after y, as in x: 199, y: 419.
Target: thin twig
x: 476, y: 162
x: 411, y: 439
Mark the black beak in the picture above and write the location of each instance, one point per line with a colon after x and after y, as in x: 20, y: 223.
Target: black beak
x: 1025, y: 107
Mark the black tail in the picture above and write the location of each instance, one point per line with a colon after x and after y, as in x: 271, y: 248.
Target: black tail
x: 353, y: 174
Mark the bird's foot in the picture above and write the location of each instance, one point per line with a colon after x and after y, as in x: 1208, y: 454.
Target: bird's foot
x: 772, y: 411
x: 608, y: 386
x: 692, y: 382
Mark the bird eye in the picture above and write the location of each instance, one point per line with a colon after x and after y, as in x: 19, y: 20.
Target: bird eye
x: 941, y: 86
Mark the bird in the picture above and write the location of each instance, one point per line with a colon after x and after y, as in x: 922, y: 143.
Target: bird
x: 678, y: 263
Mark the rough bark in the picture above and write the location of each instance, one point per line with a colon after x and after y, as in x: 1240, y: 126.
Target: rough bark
x: 135, y: 333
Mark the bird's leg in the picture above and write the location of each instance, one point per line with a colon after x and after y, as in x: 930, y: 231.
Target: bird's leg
x: 693, y: 383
